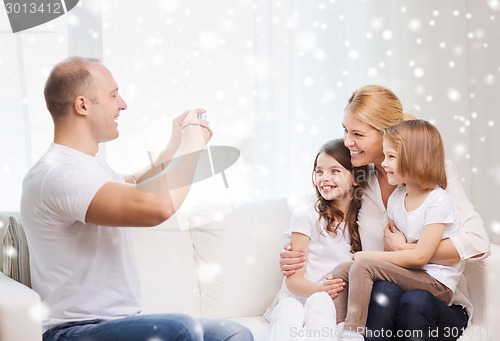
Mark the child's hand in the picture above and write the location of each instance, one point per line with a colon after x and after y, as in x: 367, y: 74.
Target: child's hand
x: 332, y: 286
x: 390, y: 226
x: 360, y: 255
x: 394, y: 239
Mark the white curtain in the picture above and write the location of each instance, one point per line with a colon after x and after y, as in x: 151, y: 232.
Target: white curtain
x: 26, y: 129
x: 440, y: 57
x: 274, y: 77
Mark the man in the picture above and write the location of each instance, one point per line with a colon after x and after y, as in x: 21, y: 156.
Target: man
x: 75, y: 210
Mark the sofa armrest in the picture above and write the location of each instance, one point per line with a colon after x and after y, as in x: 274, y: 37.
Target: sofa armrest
x: 492, y: 293
x: 482, y: 283
x: 20, y: 312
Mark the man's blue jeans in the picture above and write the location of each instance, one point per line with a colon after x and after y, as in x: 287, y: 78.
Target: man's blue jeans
x: 163, y: 327
x: 395, y: 314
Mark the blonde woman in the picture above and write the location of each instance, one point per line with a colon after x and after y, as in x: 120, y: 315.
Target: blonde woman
x: 422, y: 210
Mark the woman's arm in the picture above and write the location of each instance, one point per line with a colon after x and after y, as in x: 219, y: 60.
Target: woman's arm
x: 418, y: 256
x: 471, y: 241
x: 297, y: 283
x: 446, y: 253
x: 290, y: 260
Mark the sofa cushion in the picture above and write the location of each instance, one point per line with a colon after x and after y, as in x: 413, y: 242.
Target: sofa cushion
x: 167, y: 270
x: 258, y: 325
x: 237, y: 258
x: 15, y: 252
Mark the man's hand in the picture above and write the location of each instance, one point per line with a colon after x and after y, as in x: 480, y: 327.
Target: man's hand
x: 193, y: 127
x: 394, y: 239
x: 290, y: 260
x: 176, y: 133
x: 167, y: 153
x: 332, y: 286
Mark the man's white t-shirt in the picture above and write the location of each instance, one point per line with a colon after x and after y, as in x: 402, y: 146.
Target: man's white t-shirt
x: 326, y: 249
x: 81, y: 271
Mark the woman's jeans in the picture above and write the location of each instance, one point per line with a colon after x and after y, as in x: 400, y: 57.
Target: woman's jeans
x: 394, y: 314
x: 163, y: 327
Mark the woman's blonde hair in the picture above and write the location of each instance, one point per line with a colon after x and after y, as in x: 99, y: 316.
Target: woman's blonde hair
x: 420, y: 152
x: 377, y: 106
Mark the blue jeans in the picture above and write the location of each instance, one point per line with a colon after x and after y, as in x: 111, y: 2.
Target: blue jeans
x: 395, y: 314
x: 162, y: 327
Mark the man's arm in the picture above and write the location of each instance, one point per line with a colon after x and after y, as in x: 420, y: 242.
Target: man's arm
x: 168, y: 152
x: 118, y: 204
x: 155, y: 199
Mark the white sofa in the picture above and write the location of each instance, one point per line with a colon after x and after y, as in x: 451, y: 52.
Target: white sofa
x: 222, y: 262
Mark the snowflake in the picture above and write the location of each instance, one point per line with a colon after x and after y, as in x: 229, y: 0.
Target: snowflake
x: 494, y: 4
x: 353, y: 54
x: 308, y: 81
x: 387, y: 35
x: 10, y: 252
x: 306, y: 41
x: 454, y: 95
x: 209, y: 271
x: 208, y: 41
x: 418, y: 72
x: 372, y: 72
x: 414, y: 25
x: 382, y: 299
x: 495, y: 227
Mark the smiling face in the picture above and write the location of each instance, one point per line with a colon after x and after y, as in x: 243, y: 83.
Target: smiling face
x: 104, y: 104
x: 332, y: 180
x: 390, y: 163
x: 364, y: 141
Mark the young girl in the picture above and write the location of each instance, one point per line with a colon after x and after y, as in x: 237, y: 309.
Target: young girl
x: 327, y: 233
x: 422, y: 210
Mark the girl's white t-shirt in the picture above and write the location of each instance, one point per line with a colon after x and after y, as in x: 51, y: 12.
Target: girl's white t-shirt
x: 326, y: 249
x: 437, y: 208
x: 471, y: 239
